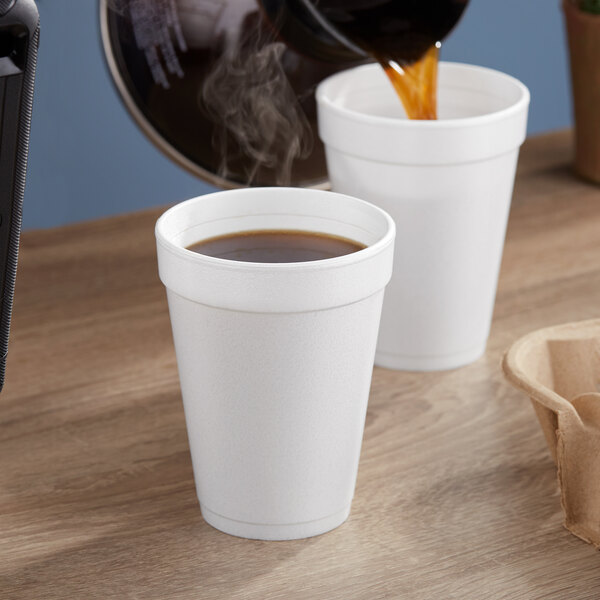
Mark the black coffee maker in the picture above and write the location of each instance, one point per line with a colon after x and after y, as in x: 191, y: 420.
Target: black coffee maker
x: 19, y: 39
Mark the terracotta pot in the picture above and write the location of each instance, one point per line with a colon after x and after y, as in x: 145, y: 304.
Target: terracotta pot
x: 583, y: 32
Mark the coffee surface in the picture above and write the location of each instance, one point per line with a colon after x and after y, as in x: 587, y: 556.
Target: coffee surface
x: 276, y: 246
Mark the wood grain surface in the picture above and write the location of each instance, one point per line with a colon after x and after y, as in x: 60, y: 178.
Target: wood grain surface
x: 456, y: 495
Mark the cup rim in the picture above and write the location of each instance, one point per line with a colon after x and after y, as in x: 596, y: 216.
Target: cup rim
x: 313, y: 265
x: 327, y: 102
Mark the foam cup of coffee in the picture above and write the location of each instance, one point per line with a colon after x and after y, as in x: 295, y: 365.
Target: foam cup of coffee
x: 275, y: 358
x: 448, y: 185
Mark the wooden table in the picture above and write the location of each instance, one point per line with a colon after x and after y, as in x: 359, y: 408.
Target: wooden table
x: 456, y: 495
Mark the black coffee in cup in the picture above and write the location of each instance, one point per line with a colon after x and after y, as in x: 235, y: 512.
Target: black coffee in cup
x: 276, y: 246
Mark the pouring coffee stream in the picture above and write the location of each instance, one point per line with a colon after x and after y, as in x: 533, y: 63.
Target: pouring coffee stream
x: 404, y: 36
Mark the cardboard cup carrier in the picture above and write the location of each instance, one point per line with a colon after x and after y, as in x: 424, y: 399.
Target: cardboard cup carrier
x: 559, y: 369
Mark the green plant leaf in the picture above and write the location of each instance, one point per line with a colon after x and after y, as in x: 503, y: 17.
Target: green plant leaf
x: 591, y: 6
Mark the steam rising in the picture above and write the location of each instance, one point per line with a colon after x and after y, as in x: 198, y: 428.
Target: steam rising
x: 258, y: 120
x: 256, y: 112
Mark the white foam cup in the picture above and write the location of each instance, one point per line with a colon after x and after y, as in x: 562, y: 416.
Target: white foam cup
x: 275, y: 360
x: 447, y: 184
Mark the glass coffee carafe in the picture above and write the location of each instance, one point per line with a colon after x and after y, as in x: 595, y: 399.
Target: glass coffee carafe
x: 226, y: 87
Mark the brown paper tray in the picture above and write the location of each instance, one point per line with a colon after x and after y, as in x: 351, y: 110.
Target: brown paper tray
x: 559, y: 369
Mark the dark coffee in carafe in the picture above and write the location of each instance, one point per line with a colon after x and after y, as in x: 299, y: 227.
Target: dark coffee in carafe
x: 404, y: 37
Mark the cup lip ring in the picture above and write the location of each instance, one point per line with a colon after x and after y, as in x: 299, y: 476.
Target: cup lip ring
x: 314, y: 265
x: 326, y: 102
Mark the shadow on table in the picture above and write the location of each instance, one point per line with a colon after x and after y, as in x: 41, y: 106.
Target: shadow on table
x: 119, y: 517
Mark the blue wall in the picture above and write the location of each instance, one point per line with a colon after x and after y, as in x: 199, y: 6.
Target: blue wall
x: 526, y: 39
x: 88, y: 159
